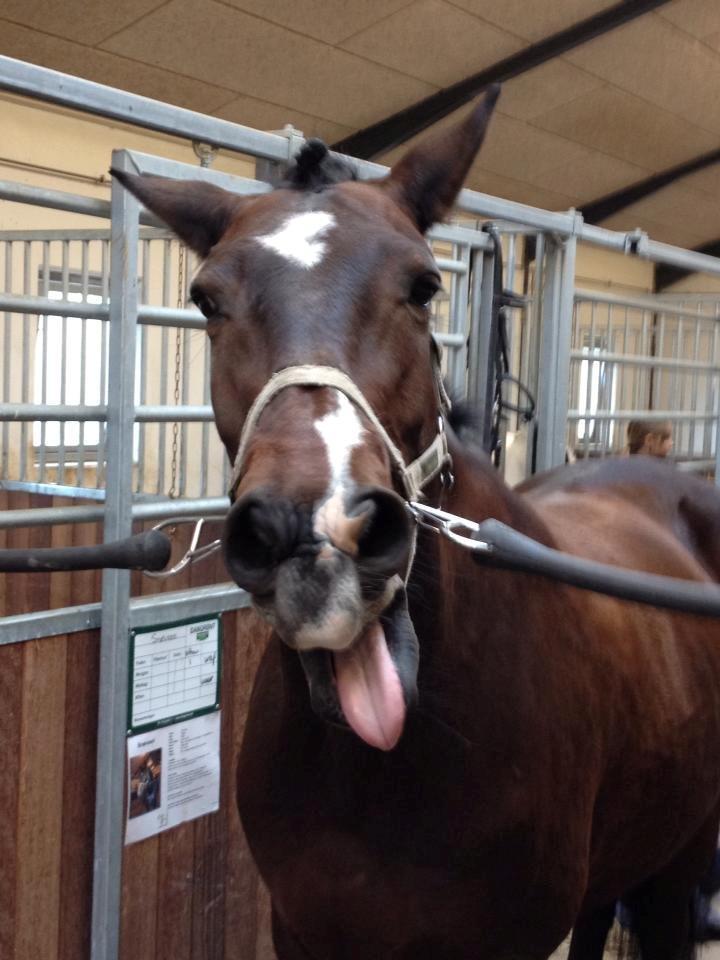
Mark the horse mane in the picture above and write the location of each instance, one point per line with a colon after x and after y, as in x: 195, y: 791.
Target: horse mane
x: 463, y: 416
x: 315, y: 168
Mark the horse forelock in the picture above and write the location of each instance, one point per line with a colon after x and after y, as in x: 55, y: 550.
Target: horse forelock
x: 315, y: 168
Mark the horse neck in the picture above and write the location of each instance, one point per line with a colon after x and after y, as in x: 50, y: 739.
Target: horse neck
x: 465, y: 610
x: 479, y: 492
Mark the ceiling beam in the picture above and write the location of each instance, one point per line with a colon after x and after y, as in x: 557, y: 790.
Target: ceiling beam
x: 666, y: 275
x: 382, y: 136
x: 598, y: 210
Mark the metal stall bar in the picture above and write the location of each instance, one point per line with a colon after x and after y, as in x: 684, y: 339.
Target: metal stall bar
x: 555, y: 342
x: 654, y: 415
x: 652, y: 304
x: 52, y: 199
x: 153, y: 510
x: 52, y: 86
x: 639, y: 360
x: 7, y: 353
x: 481, y: 351
x: 112, y: 710
x: 154, y: 316
x: 64, y: 413
x: 144, y: 612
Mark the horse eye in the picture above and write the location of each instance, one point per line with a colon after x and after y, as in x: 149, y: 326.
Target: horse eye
x: 205, y: 304
x: 423, y: 290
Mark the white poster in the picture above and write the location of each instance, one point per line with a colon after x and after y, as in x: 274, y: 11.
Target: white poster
x: 173, y: 775
x: 173, y: 743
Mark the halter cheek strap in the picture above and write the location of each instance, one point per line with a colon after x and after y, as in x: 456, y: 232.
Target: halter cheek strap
x: 414, y: 476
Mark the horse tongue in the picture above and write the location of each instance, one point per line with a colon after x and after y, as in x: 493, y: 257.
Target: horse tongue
x: 369, y: 689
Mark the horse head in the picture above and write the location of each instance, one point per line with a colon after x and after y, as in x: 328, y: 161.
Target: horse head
x: 324, y: 388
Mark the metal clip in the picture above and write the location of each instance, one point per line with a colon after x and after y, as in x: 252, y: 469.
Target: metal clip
x: 449, y: 525
x: 193, y: 552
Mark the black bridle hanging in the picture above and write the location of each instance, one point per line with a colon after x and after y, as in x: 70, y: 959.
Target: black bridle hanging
x: 503, y: 301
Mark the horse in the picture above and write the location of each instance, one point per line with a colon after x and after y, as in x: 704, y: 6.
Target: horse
x: 442, y: 761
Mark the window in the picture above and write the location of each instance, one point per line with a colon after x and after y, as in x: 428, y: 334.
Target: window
x: 70, y: 365
x: 596, y: 392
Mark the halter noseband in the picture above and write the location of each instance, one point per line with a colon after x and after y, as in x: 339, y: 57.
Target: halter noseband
x: 414, y: 476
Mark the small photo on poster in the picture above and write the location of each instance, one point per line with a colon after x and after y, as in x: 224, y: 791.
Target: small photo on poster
x: 145, y: 783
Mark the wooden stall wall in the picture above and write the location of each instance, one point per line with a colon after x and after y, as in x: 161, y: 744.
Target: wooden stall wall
x: 191, y: 893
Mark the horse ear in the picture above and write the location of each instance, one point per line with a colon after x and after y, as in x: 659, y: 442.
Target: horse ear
x: 427, y: 180
x: 198, y: 212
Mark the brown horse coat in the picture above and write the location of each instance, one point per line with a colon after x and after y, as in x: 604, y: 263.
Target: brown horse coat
x: 565, y: 747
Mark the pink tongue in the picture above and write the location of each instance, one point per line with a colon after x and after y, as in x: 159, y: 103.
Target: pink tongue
x: 369, y: 689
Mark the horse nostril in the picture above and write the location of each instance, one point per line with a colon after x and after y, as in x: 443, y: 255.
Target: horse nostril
x: 259, y: 534
x: 384, y: 541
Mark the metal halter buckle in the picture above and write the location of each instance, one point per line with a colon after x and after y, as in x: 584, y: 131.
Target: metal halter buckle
x: 192, y: 553
x: 448, y: 524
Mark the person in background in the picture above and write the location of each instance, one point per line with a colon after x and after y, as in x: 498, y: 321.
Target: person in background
x: 650, y: 437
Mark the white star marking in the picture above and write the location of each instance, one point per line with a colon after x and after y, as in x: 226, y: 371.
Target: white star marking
x: 342, y: 431
x: 298, y: 239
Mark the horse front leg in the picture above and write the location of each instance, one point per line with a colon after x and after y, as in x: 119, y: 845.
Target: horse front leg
x: 286, y: 944
x: 590, y: 933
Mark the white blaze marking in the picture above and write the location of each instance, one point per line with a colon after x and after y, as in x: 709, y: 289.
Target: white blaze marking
x: 341, y: 430
x: 298, y: 239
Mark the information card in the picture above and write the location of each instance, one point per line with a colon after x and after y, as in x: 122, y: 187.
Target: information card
x: 173, y: 743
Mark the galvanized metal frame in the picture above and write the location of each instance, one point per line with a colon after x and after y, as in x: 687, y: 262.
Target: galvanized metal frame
x: 646, y: 366
x: 115, y: 626
x: 555, y: 330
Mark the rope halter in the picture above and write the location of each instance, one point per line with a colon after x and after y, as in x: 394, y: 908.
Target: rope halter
x: 414, y: 476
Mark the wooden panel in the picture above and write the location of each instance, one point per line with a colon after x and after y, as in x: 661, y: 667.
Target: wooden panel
x: 78, y: 801
x: 319, y: 80
x: 40, y: 799
x: 191, y: 893
x: 627, y: 127
x: 697, y: 17
x: 67, y: 56
x: 176, y: 848
x: 264, y: 948
x: 208, y: 902
x: 643, y: 58
x: 325, y: 20
x: 81, y: 705
x: 247, y: 924
x: 545, y: 88
x: 534, y: 21
x: 176, y: 877
x: 241, y: 885
x: 39, y: 823
x: 74, y: 19
x: 454, y: 44
x: 11, y: 666
x: 11, y: 661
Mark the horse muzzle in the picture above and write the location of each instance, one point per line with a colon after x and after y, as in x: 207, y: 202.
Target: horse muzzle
x: 371, y: 526
x: 330, y: 580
